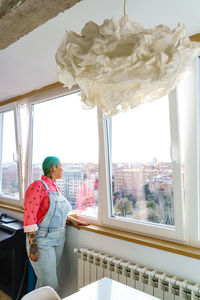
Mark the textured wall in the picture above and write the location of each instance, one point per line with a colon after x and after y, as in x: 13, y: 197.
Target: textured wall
x: 18, y: 18
x: 7, y: 6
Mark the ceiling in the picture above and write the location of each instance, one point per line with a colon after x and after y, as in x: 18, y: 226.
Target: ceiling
x: 28, y: 63
x: 19, y: 17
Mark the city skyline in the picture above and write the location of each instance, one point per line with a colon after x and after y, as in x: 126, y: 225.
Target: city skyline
x: 154, y: 168
x: 139, y: 191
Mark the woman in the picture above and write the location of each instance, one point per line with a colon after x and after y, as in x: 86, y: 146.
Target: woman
x: 45, y: 216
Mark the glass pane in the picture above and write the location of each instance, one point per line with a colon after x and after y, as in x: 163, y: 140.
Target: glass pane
x: 141, y: 165
x: 64, y: 129
x: 9, y: 169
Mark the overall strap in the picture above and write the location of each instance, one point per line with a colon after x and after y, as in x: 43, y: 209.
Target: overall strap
x: 44, y: 183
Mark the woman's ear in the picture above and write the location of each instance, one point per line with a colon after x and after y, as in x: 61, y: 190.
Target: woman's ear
x: 53, y: 168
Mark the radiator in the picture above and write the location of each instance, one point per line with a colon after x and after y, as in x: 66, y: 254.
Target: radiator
x: 94, y: 265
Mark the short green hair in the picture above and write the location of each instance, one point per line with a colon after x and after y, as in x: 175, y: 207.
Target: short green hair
x: 48, y: 162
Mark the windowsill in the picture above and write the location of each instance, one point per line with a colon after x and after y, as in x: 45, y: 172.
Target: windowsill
x: 168, y: 246
x: 146, y: 241
x: 18, y: 209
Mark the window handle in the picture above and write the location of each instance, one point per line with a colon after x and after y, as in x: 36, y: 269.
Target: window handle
x: 14, y: 158
x: 174, y: 154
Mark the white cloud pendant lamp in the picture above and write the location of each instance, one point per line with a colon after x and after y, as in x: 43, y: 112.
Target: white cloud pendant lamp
x: 120, y: 65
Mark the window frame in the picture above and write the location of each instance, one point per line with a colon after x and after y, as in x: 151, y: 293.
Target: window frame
x: 15, y: 108
x: 192, y: 160
x: 40, y: 99
x: 136, y: 226
x: 29, y: 102
x: 190, y: 217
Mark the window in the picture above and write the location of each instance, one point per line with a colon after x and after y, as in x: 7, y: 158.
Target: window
x: 141, y: 159
x: 138, y: 171
x: 9, y: 182
x: 61, y: 127
x: 145, y: 175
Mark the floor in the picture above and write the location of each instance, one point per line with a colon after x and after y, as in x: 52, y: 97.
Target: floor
x: 4, y: 296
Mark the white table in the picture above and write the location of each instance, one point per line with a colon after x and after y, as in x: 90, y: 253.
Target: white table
x: 108, y: 289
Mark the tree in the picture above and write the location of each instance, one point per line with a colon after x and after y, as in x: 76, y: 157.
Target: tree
x: 153, y: 215
x: 151, y: 204
x: 160, y: 208
x: 116, y: 196
x: 147, y: 192
x: 131, y: 198
x: 123, y: 207
x: 166, y: 208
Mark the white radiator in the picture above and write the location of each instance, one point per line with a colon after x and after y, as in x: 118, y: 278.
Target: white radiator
x: 94, y: 265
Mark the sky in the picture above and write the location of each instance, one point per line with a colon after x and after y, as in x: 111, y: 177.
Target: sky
x: 9, y: 143
x: 65, y: 129
x: 142, y: 134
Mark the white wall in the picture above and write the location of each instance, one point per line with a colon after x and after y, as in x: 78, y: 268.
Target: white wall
x: 173, y: 264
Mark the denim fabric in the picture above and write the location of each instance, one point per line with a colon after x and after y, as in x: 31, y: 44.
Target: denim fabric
x: 51, y: 239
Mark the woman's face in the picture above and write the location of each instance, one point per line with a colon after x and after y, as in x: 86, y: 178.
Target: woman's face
x: 57, y: 172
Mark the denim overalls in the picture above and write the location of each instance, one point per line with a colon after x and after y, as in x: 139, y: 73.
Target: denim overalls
x: 51, y: 239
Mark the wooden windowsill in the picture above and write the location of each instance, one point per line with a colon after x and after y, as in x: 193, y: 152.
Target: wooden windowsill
x: 172, y: 247
x: 18, y: 209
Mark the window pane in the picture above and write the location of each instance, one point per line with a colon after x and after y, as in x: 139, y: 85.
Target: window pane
x: 141, y: 165
x: 64, y: 129
x: 9, y: 170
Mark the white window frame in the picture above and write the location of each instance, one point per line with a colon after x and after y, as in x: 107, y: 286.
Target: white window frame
x: 148, y: 228
x: 187, y: 209
x: 18, y: 159
x: 162, y: 231
x: 29, y: 102
x: 187, y: 222
x: 27, y: 147
x: 192, y: 159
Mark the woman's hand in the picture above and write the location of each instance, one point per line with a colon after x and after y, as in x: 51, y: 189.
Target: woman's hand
x: 33, y: 251
x: 75, y: 222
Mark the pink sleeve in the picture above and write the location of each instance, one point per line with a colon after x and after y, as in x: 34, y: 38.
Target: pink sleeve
x: 31, y: 205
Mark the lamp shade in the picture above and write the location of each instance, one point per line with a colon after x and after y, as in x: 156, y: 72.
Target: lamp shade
x: 120, y: 65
